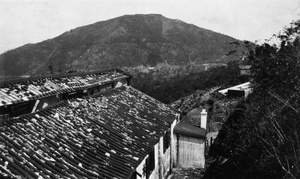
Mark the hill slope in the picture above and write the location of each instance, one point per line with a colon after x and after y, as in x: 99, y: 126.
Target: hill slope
x: 131, y: 41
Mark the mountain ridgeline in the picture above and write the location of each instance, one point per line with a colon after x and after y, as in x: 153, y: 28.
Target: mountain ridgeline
x: 128, y: 42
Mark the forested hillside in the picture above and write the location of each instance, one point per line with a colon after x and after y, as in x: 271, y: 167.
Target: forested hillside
x: 127, y: 41
x: 174, y: 88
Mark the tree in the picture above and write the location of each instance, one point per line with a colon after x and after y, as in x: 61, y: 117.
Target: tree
x: 276, y: 69
x: 265, y: 140
x: 276, y: 107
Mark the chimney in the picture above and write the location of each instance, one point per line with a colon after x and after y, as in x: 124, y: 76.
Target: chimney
x: 203, y: 119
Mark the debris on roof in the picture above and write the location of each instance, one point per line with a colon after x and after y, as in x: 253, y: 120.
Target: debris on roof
x: 30, y: 89
x: 105, y: 136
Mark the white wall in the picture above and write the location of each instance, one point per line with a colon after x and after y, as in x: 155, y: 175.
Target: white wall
x: 139, y: 169
x: 155, y: 172
x: 189, y: 152
x: 163, y: 161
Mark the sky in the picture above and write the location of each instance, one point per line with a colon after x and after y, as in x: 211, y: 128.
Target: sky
x: 32, y: 21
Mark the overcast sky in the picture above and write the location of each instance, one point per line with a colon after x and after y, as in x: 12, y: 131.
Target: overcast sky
x: 32, y: 21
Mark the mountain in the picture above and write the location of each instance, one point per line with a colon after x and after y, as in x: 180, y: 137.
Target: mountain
x: 131, y: 42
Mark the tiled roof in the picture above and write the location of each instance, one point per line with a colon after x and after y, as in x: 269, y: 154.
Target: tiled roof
x: 30, y: 89
x: 97, y: 137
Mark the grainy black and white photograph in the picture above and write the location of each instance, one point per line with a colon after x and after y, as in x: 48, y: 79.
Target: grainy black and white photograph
x: 149, y: 89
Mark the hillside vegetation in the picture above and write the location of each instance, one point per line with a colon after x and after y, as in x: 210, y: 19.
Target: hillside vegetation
x: 176, y: 87
x: 130, y: 42
x: 261, y: 139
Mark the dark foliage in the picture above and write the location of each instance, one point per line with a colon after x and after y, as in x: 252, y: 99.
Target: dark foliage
x: 177, y: 87
x: 264, y: 140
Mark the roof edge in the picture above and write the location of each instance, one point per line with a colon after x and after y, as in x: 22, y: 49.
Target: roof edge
x: 190, y: 130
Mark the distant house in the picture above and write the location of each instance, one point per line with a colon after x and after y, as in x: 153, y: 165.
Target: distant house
x: 245, y: 69
x: 190, y: 143
x: 89, y: 125
x: 241, y: 90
